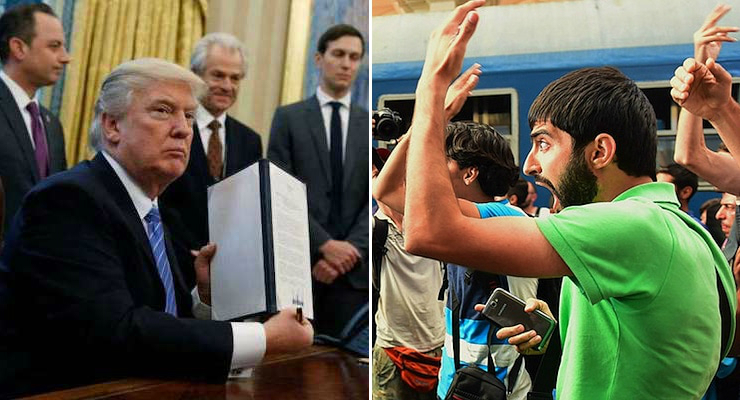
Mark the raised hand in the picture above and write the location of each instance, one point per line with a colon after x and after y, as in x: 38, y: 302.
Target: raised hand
x: 459, y: 91
x: 447, y: 44
x: 701, y: 89
x: 708, y: 39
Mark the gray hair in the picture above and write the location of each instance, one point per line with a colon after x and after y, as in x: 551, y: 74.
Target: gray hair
x: 222, y: 39
x: 117, y: 90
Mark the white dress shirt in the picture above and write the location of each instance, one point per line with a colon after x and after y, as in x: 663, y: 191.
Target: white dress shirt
x: 21, y: 98
x: 326, y: 111
x: 202, y: 118
x: 249, y: 339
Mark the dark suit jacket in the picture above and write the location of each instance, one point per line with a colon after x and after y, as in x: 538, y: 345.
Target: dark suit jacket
x: 298, y: 143
x: 80, y: 297
x: 184, y: 204
x: 17, y: 162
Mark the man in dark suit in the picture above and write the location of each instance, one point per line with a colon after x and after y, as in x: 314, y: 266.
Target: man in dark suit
x: 221, y: 145
x: 89, y: 287
x: 323, y: 140
x: 31, y: 138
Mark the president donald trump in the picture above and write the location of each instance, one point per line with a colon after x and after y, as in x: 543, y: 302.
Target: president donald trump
x: 89, y: 288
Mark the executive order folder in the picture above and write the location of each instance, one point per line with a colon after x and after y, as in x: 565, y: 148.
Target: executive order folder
x: 258, y: 219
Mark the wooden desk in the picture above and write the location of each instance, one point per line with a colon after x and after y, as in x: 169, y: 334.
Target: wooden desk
x: 316, y: 373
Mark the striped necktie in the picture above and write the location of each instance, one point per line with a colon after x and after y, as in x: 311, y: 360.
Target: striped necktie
x: 156, y: 240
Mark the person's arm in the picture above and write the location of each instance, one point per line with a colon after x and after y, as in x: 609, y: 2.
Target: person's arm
x: 435, y: 227
x: 282, y: 333
x: 390, y: 185
x: 719, y: 169
x: 705, y: 91
x: 691, y: 151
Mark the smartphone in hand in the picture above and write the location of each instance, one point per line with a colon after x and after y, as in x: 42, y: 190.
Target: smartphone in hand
x: 505, y: 309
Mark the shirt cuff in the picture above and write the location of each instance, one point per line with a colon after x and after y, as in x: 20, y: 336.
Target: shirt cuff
x: 249, y: 344
x: 200, y: 310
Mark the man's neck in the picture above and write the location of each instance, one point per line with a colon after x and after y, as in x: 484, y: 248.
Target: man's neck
x: 334, y: 94
x: 617, y: 183
x: 13, y: 71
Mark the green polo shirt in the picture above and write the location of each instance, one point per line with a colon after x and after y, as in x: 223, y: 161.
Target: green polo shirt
x: 640, y: 315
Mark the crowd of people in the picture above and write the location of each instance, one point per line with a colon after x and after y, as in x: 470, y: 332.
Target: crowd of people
x: 627, y: 254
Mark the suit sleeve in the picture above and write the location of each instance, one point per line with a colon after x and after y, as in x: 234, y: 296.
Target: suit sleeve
x: 80, y: 285
x: 280, y: 145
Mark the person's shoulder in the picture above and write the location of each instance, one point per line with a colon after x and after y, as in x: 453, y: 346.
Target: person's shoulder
x: 298, y: 105
x: 499, y: 209
x: 240, y: 127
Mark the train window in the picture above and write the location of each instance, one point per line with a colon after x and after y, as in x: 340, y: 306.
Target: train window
x: 496, y: 107
x: 666, y: 113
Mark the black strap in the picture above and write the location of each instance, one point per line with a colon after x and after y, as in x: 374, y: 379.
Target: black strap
x: 724, y: 312
x: 445, y: 283
x: 455, y: 327
x: 546, y: 376
x: 380, y: 235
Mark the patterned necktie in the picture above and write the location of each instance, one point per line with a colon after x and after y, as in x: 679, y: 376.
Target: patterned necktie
x: 336, y: 162
x: 41, y: 152
x: 156, y: 240
x: 215, y: 150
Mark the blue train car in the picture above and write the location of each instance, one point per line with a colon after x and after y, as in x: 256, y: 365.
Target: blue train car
x: 513, y: 75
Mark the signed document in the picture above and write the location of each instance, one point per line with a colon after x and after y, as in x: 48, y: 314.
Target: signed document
x: 258, y: 219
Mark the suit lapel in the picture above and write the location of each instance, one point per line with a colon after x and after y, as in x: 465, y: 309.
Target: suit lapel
x: 231, y: 148
x: 122, y: 199
x: 199, y: 160
x: 18, y: 128
x: 315, y: 122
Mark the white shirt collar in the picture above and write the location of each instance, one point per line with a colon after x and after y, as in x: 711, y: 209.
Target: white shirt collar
x: 204, y: 117
x: 19, y: 95
x: 141, y: 201
x: 324, y: 98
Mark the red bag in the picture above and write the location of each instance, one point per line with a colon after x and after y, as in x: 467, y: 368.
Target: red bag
x: 418, y: 370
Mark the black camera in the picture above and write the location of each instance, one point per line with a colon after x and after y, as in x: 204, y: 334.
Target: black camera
x: 387, y: 124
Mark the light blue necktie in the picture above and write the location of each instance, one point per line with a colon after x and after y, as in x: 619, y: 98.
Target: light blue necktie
x: 156, y: 240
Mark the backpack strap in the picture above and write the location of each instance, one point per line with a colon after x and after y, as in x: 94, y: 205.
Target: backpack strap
x: 455, y: 302
x: 380, y: 236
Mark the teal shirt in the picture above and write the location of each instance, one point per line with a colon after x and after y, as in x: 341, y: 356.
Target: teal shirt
x: 640, y: 317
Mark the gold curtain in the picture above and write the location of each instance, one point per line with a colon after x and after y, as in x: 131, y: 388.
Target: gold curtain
x: 109, y: 32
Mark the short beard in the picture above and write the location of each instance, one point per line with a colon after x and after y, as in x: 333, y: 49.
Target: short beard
x: 578, y: 185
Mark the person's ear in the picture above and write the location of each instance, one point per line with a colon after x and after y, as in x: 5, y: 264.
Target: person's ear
x: 17, y: 48
x: 514, y: 200
x: 685, y: 193
x: 110, y: 128
x: 603, y: 151
x: 471, y: 174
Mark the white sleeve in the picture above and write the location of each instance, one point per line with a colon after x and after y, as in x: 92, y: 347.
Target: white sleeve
x: 249, y: 338
x: 249, y: 344
x: 523, y: 288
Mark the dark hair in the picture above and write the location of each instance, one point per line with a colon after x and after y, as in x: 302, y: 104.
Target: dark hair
x: 336, y: 32
x: 590, y: 101
x: 520, y: 189
x: 682, y: 177
x: 472, y: 144
x: 20, y: 22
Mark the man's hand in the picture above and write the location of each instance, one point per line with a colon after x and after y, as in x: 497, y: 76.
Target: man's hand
x: 703, y: 90
x: 323, y: 272
x: 708, y: 39
x: 202, y: 264
x: 447, y: 44
x: 340, y: 254
x: 525, y: 342
x: 459, y: 91
x: 284, y: 334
